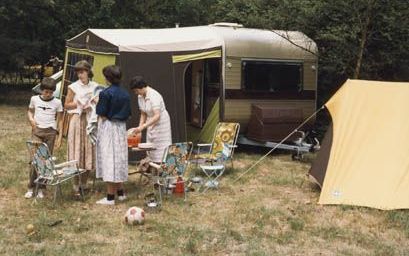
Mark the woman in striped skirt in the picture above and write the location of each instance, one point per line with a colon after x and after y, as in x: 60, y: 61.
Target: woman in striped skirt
x: 113, y: 109
x: 77, y: 104
x: 154, y: 117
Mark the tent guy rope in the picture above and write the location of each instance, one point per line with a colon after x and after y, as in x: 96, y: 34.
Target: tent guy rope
x: 281, y: 142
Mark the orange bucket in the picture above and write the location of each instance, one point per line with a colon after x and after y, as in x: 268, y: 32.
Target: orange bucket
x: 134, y: 140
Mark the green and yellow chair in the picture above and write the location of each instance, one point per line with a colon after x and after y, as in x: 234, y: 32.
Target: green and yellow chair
x: 221, y: 150
x: 225, y: 135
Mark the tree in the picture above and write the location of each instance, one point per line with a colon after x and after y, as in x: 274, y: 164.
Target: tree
x: 365, y: 39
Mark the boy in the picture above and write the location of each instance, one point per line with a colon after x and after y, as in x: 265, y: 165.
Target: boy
x: 43, y: 112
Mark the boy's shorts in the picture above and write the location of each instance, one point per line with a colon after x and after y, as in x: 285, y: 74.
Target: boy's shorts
x: 46, y: 135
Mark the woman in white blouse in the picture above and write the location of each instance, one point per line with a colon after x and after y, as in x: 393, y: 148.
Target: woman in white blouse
x: 78, y: 105
x: 154, y: 117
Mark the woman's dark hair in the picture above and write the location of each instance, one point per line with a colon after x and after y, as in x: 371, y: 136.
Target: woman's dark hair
x: 113, y: 74
x: 84, y: 65
x: 137, y: 82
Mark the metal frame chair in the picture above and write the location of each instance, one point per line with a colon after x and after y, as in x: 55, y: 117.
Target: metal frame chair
x: 174, y: 164
x: 216, y: 168
x: 49, y: 173
x: 225, y: 133
x: 220, y: 151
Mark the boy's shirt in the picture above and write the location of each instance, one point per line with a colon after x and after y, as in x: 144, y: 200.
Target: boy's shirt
x: 45, y: 111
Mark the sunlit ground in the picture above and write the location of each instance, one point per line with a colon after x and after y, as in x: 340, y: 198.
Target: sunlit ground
x: 271, y: 211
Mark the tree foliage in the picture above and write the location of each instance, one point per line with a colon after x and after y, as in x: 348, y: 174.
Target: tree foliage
x: 367, y: 39
x: 373, y: 33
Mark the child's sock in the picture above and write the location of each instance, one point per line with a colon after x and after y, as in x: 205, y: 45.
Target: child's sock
x: 110, y: 197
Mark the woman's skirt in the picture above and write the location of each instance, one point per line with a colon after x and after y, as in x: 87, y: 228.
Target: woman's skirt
x: 79, y: 146
x: 160, y: 136
x: 112, y: 151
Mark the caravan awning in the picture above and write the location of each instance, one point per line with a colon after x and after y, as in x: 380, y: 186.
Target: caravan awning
x: 197, y: 56
x: 235, y: 41
x: 150, y: 40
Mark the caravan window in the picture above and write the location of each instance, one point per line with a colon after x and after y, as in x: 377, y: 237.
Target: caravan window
x: 271, y: 76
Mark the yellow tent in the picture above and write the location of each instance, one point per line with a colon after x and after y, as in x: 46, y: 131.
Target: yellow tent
x: 364, y: 158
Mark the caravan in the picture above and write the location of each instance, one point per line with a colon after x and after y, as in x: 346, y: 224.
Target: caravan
x: 208, y: 74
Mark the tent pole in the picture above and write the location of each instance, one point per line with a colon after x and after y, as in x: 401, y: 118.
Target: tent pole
x: 278, y: 144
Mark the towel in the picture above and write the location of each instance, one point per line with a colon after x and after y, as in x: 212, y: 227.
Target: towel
x: 92, y: 117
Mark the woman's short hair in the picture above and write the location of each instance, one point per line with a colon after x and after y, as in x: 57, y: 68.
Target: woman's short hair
x: 84, y: 65
x: 112, y: 73
x: 48, y: 84
x: 138, y: 82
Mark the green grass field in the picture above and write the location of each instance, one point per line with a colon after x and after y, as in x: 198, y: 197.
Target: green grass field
x: 272, y: 211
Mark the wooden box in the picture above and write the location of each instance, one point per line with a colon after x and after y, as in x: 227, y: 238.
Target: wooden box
x: 273, y: 124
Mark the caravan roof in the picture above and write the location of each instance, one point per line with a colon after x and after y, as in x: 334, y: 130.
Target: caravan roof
x: 237, y: 41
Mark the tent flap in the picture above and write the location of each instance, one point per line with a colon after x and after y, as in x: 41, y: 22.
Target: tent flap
x: 206, y: 134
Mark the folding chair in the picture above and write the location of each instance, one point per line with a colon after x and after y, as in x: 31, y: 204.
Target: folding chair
x: 225, y: 134
x: 221, y: 150
x: 216, y: 168
x: 49, y: 173
x: 174, y: 164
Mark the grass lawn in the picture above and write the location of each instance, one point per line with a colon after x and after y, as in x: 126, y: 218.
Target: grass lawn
x: 272, y: 211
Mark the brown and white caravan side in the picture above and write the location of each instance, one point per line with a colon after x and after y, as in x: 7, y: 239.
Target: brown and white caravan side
x: 273, y: 71
x: 208, y: 73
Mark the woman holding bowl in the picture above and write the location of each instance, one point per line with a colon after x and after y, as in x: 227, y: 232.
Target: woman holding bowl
x: 154, y: 118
